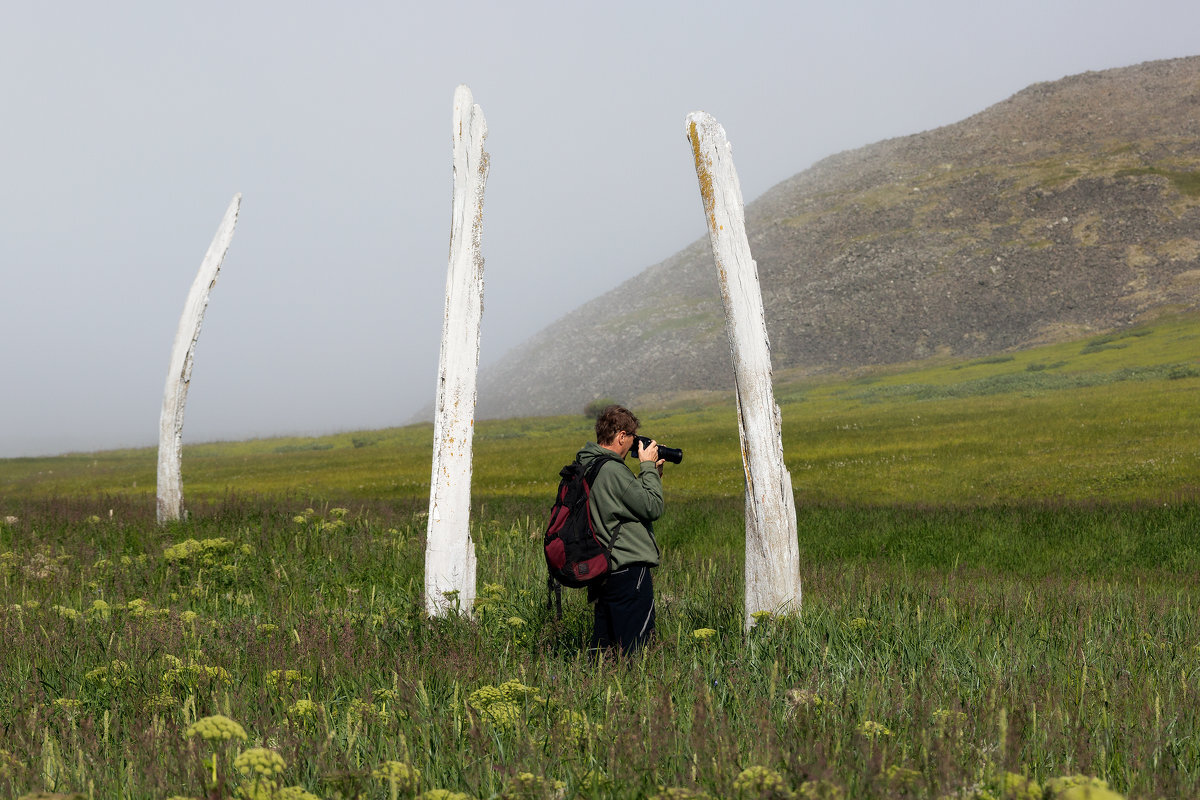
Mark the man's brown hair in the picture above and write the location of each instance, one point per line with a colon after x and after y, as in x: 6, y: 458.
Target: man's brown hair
x: 612, y: 420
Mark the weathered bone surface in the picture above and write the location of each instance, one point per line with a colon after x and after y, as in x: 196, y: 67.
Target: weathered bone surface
x: 179, y: 375
x: 772, y: 548
x: 449, y: 551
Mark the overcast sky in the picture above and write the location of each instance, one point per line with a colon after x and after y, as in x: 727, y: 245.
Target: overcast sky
x: 126, y: 128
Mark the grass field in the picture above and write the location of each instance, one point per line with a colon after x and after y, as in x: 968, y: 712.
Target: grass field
x: 1000, y: 564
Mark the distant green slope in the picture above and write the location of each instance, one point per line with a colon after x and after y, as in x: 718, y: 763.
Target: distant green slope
x: 1109, y: 418
x: 1106, y: 418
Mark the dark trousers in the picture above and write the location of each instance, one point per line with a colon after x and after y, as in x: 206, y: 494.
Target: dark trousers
x: 624, y: 609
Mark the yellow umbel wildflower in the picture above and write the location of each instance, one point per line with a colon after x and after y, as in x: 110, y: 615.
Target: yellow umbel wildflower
x: 207, y: 550
x: 594, y: 781
x: 191, y: 676
x: 259, y: 762
x: 117, y: 673
x: 305, y: 710
x: 680, y: 793
x: 161, y: 701
x: 527, y: 786
x: 295, y: 793
x: 288, y: 678
x: 368, y: 712
x: 1018, y: 787
x: 139, y: 607
x: 509, y: 691
x: 501, y: 705
x: 444, y: 794
x: 399, y: 774
x: 503, y: 715
x: 820, y: 790
x: 270, y: 790
x: 68, y: 704
x: 701, y: 634
x: 946, y: 718
x: 258, y: 790
x: 577, y: 727
x: 797, y: 699
x: 216, y: 728
x: 1080, y: 787
x: 760, y: 782
x: 66, y: 612
x: 99, y: 609
x: 873, y: 730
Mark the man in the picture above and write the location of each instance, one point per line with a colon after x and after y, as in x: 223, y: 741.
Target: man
x: 624, y: 507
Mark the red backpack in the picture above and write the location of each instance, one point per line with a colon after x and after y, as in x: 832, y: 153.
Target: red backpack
x: 575, y: 557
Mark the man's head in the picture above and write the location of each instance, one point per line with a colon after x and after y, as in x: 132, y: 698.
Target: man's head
x: 614, y: 420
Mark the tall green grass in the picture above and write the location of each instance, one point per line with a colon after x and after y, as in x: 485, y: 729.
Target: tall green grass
x: 915, y: 668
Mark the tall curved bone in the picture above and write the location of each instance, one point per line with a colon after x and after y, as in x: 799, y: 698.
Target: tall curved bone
x: 772, y: 548
x: 449, y: 550
x: 179, y: 374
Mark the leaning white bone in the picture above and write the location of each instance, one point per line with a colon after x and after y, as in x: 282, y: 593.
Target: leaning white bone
x: 179, y: 374
x: 772, y: 548
x: 449, y: 551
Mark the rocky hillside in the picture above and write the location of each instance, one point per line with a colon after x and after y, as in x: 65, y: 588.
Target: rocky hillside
x: 1071, y: 207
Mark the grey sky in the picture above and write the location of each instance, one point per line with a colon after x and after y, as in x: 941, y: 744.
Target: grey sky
x: 127, y: 127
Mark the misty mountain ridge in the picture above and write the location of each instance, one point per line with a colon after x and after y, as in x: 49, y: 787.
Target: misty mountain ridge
x: 1070, y: 208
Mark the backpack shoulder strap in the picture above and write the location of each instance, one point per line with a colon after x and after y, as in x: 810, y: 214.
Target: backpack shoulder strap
x: 594, y: 468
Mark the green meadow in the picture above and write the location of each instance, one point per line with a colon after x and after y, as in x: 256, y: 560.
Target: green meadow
x: 999, y: 559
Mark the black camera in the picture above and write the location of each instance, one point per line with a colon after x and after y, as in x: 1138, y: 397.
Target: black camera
x: 665, y: 453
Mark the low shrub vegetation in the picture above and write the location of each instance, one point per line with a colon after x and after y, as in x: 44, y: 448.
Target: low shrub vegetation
x: 264, y: 648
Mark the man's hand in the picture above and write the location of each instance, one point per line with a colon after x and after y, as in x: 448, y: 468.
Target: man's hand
x: 650, y: 453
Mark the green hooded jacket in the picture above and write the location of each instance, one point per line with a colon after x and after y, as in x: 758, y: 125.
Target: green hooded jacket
x: 631, y: 502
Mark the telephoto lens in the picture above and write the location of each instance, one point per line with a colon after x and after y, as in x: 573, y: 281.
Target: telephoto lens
x: 672, y: 454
